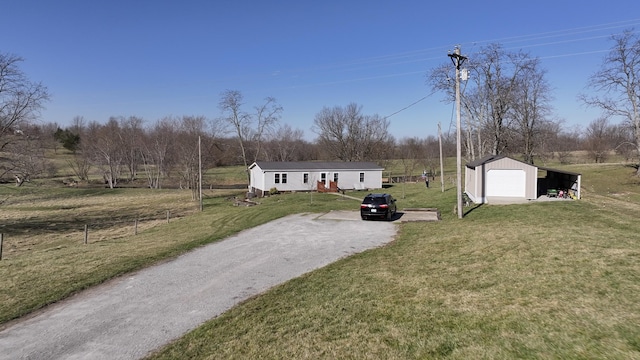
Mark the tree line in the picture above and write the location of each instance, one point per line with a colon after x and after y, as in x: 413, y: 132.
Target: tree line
x: 506, y: 110
x: 506, y: 104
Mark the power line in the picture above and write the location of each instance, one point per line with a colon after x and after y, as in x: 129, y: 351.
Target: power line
x: 410, y: 105
x: 419, y: 55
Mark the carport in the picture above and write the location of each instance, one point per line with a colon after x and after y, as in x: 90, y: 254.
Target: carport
x: 555, y: 179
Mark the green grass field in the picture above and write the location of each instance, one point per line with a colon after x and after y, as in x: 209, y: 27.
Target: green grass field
x: 539, y: 280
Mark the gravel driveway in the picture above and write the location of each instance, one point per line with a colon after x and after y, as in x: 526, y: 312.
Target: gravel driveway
x: 133, y: 315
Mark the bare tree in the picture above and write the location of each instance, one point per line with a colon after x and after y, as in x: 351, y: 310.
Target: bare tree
x: 104, y: 147
x: 622, y: 138
x: 618, y: 82
x: 80, y: 165
x: 599, y: 137
x: 155, y: 150
x: 499, y: 75
x: 49, y: 135
x: 82, y: 161
x: 249, y: 128
x: 185, y: 150
x: 497, y: 78
x: 20, y: 99
x: 131, y: 133
x: 284, y: 144
x: 531, y: 107
x: 24, y: 156
x: 349, y: 135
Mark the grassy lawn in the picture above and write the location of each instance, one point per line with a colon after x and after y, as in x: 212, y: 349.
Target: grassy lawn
x: 539, y: 280
x: 544, y: 280
x: 45, y: 259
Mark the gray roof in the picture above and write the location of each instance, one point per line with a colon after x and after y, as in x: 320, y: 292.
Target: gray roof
x: 316, y: 165
x: 559, y: 171
x: 483, y: 160
x: 489, y: 158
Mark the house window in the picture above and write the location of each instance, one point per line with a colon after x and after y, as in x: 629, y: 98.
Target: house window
x: 335, y: 177
x: 323, y: 177
x: 305, y: 178
x: 361, y: 177
x: 277, y: 178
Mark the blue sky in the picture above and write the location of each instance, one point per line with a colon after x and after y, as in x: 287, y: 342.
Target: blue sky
x: 171, y: 58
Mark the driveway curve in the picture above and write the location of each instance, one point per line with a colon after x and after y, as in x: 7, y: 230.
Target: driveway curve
x: 131, y: 316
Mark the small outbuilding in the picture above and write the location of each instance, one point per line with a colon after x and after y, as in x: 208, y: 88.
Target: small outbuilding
x: 502, y: 178
x: 313, y: 176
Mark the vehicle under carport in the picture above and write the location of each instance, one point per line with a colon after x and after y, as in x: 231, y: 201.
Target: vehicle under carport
x: 555, y: 179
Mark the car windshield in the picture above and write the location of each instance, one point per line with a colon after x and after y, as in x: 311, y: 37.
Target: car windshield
x: 374, y: 200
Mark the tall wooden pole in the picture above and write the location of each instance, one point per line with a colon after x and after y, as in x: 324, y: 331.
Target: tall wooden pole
x: 457, y: 61
x: 441, y: 159
x: 200, y: 172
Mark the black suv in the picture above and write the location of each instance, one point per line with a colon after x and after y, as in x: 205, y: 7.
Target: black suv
x: 378, y: 205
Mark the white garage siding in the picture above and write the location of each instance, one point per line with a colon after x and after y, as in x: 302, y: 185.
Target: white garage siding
x: 506, y: 183
x: 500, y: 176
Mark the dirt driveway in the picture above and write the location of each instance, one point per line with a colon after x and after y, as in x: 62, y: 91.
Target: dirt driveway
x: 133, y: 315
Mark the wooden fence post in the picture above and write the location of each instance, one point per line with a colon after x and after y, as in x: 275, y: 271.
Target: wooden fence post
x: 168, y: 212
x: 135, y: 232
x: 86, y: 233
x: 1, y: 240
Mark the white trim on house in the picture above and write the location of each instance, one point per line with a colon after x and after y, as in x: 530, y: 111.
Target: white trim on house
x: 350, y: 175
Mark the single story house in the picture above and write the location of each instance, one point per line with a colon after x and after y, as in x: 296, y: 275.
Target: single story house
x: 498, y: 176
x: 313, y: 176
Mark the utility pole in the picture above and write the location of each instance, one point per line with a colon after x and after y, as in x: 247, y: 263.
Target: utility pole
x: 441, y: 162
x: 200, y: 173
x: 457, y: 61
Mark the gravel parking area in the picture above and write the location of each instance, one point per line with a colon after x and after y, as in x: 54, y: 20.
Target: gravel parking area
x: 133, y: 315
x: 404, y: 215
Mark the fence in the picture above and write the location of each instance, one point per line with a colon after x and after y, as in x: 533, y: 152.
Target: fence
x: 87, y: 227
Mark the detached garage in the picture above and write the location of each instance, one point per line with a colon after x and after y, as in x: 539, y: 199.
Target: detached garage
x: 501, y: 178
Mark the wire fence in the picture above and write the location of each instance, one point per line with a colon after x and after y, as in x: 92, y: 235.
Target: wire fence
x: 165, y: 216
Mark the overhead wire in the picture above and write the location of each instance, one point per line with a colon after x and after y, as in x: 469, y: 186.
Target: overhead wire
x: 512, y: 39
x: 434, y: 52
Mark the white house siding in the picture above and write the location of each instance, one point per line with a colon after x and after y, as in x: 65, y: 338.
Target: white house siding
x: 263, y: 179
x: 256, y: 180
x: 294, y: 181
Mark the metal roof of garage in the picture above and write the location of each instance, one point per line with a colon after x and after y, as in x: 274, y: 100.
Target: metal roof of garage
x: 558, y: 171
x: 491, y: 158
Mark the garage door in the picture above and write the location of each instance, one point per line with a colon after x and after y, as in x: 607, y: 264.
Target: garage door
x: 507, y: 183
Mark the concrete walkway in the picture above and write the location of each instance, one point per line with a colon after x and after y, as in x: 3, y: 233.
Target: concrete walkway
x: 131, y: 316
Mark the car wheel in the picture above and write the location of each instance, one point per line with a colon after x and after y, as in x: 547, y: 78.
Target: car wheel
x: 363, y: 217
x: 389, y: 215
